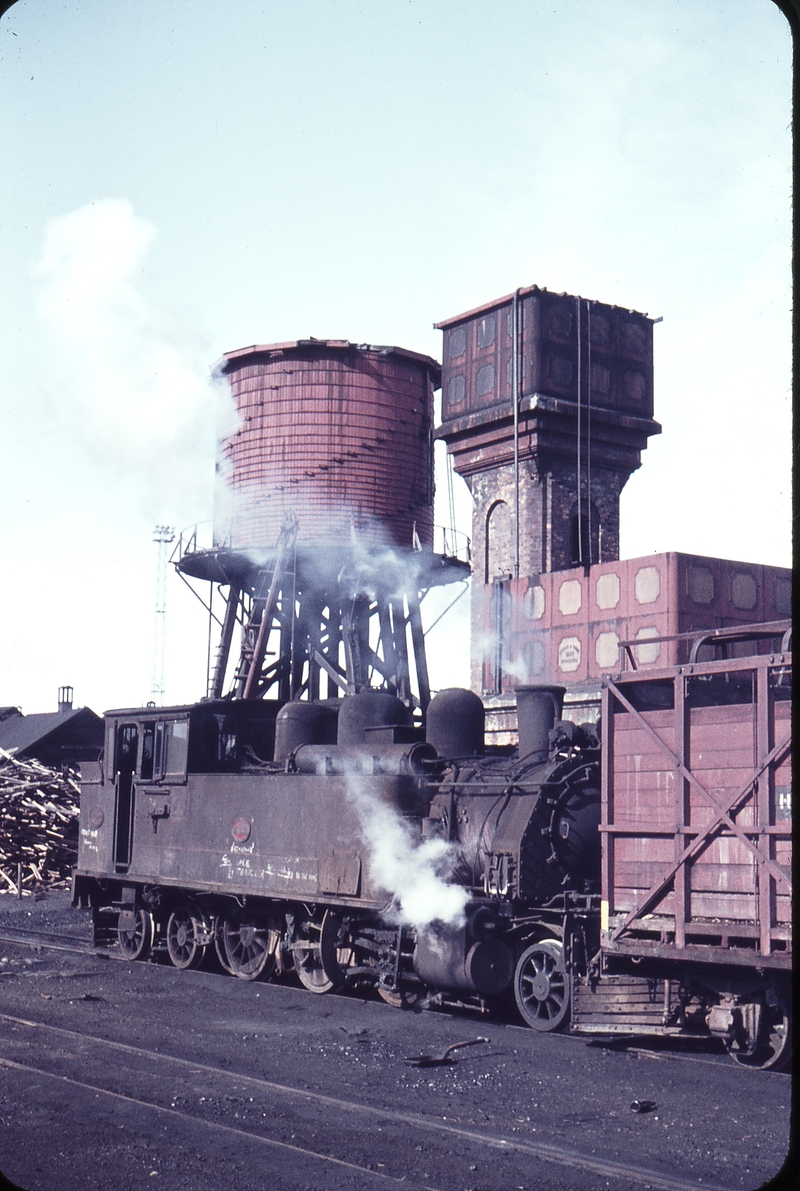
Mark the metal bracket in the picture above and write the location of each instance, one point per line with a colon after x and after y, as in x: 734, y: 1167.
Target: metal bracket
x: 157, y: 814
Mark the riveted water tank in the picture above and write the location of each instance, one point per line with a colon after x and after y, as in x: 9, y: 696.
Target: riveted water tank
x: 338, y: 435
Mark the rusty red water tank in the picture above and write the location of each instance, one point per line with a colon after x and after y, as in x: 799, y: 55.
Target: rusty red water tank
x: 338, y: 434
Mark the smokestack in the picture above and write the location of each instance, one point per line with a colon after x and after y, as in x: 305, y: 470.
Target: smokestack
x: 538, y: 708
x: 65, y: 698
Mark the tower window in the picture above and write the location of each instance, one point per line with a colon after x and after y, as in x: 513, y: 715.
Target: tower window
x: 499, y: 542
x: 486, y: 331
x: 484, y: 381
x: 456, y: 342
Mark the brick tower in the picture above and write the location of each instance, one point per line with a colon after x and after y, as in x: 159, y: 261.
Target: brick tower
x: 547, y: 405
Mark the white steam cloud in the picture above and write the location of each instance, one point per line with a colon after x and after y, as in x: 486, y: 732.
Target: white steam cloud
x: 413, y: 873
x: 137, y: 383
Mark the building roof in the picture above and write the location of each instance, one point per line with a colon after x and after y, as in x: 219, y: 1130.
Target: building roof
x: 523, y: 293
x: 32, y: 735
x: 235, y: 357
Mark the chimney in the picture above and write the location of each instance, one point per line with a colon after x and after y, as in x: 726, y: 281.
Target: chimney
x: 65, y: 698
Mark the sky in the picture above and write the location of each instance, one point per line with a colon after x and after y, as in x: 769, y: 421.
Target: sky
x: 182, y: 178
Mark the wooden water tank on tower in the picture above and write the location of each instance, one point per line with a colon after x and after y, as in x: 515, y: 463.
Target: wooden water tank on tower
x: 338, y: 434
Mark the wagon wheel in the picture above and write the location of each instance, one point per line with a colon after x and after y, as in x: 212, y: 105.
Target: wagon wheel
x: 186, y: 926
x: 399, y: 998
x: 137, y: 942
x: 249, y: 943
x: 314, y: 952
x: 541, y: 986
x: 774, y: 1052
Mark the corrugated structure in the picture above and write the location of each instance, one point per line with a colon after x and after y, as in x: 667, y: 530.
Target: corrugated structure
x: 337, y: 434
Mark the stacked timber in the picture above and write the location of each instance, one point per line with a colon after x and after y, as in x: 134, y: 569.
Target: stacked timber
x: 39, y: 810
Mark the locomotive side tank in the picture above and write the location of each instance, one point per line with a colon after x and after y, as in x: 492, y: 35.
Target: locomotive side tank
x: 186, y: 801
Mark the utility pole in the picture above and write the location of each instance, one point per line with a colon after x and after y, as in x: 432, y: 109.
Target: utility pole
x: 162, y: 536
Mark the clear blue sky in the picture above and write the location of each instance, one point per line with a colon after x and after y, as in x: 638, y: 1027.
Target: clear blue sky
x: 353, y: 170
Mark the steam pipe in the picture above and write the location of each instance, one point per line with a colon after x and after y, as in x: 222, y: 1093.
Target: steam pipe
x: 515, y: 400
x: 221, y: 662
x: 589, y: 427
x: 578, y: 459
x: 411, y: 760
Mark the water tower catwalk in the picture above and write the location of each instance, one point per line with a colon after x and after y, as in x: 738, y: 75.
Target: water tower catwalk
x: 323, y: 535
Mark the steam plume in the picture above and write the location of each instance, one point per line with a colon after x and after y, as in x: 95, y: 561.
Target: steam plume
x: 413, y: 873
x: 136, y: 381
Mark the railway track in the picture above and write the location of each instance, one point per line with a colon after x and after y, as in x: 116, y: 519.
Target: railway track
x: 107, y: 1060
x: 675, y: 1049
x: 51, y: 941
x: 317, y: 1106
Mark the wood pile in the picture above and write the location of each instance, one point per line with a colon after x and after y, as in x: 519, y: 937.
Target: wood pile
x: 39, y: 810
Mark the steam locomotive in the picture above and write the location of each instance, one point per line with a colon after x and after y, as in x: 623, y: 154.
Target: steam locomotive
x: 316, y: 837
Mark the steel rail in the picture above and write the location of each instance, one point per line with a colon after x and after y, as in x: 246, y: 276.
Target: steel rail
x: 174, y: 1112
x: 49, y: 940
x: 545, y: 1151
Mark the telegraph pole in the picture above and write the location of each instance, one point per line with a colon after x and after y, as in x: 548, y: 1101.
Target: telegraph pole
x: 162, y: 536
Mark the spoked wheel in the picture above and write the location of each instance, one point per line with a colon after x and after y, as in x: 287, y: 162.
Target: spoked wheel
x: 219, y: 947
x: 399, y: 998
x: 314, y: 952
x: 541, y: 986
x: 136, y: 942
x: 248, y: 943
x: 774, y: 1052
x: 188, y: 932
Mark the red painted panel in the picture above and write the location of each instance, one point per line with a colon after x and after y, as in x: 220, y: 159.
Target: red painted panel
x: 727, y: 907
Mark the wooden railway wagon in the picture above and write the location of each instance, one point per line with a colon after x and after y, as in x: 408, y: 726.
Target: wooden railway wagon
x: 695, y: 930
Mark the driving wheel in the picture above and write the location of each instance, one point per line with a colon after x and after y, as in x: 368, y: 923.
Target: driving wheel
x: 136, y: 941
x: 249, y: 942
x: 399, y: 998
x: 314, y: 952
x: 188, y: 933
x: 541, y: 986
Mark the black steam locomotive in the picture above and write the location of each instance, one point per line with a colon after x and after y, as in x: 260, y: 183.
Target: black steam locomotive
x: 338, y: 840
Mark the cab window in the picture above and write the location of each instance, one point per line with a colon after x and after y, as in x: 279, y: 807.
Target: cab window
x: 175, y: 747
